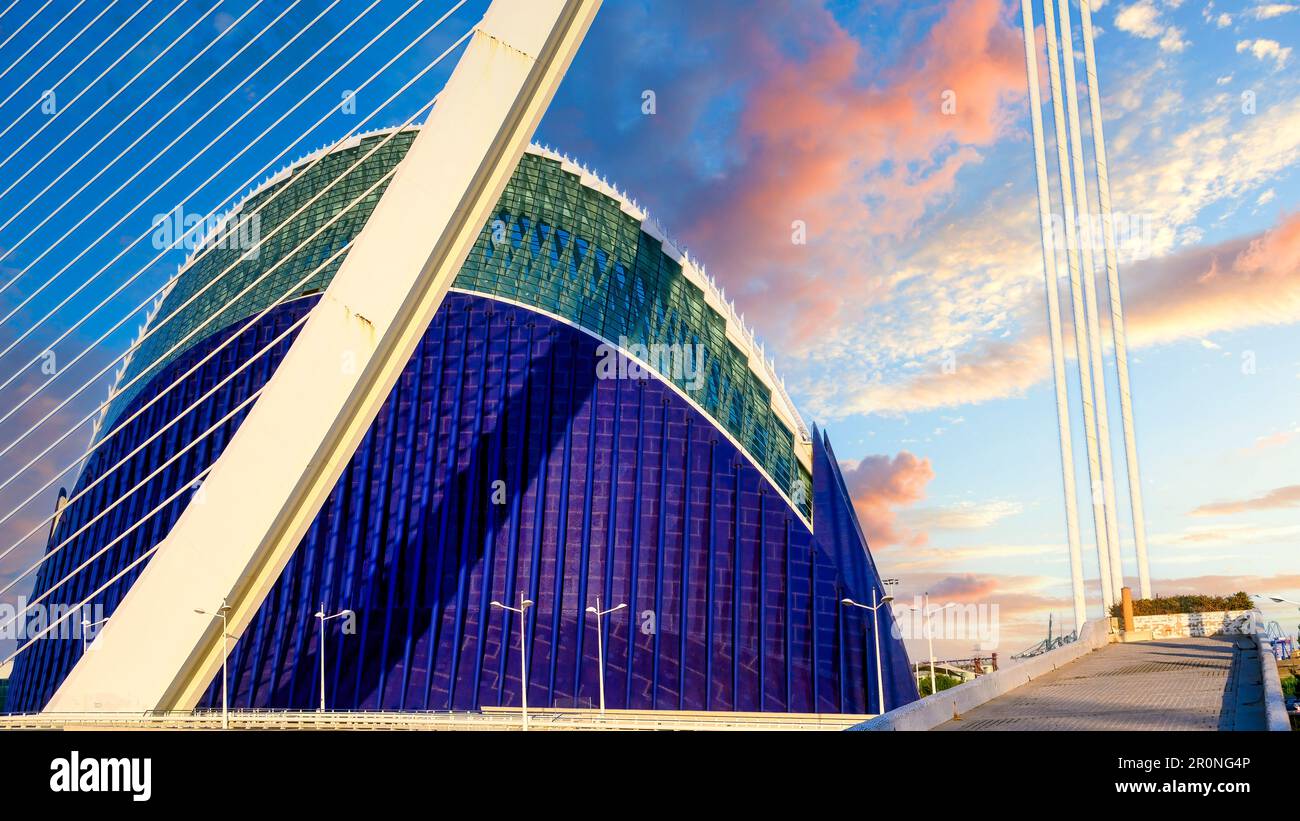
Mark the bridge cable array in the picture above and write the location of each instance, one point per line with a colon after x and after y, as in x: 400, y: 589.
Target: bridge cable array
x: 210, y: 316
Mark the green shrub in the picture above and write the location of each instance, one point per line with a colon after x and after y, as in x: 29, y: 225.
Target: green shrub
x: 1169, y: 605
x: 1288, y: 686
x: 940, y: 680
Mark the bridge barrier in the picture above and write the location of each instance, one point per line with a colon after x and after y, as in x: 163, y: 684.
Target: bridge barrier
x: 1274, y: 702
x: 943, y: 706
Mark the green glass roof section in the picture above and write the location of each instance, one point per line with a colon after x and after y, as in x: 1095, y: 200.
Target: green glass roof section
x: 553, y: 243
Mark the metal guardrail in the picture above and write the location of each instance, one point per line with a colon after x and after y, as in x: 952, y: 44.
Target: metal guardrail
x: 492, y: 719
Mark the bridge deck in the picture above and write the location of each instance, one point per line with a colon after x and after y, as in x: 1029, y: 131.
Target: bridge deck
x: 1210, y: 683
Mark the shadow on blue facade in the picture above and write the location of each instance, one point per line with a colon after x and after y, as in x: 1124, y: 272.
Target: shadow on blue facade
x: 501, y: 465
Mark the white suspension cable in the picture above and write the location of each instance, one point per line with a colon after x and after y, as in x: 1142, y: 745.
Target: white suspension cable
x: 41, y: 39
x: 117, y: 500
x: 122, y: 121
x: 6, y: 11
x: 275, y: 195
x: 18, y: 30
x: 1090, y: 300
x: 193, y: 158
x: 81, y: 93
x: 251, y: 398
x: 59, y: 53
x: 1118, y: 333
x: 153, y: 400
x: 146, y: 554
x: 1052, y: 283
x: 1080, y: 320
x: 102, y: 42
x: 202, y: 290
x: 338, y: 253
x: 243, y: 219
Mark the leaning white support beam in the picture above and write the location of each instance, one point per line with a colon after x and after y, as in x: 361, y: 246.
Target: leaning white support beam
x: 1082, y: 347
x: 1097, y: 362
x: 156, y: 652
x: 1118, y: 333
x: 1052, y: 284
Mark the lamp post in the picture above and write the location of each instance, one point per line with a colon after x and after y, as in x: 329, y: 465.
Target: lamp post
x: 874, y: 607
x: 86, y: 624
x: 223, y: 612
x: 928, y: 614
x: 524, y: 604
x: 600, y: 647
x: 320, y: 614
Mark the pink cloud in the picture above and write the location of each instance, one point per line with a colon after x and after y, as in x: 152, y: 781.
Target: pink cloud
x: 1281, y: 497
x: 879, y: 486
x: 853, y: 150
x: 1246, y: 282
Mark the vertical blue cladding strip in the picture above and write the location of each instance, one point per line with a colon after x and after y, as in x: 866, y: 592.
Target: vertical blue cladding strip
x: 634, y: 557
x: 516, y: 492
x: 539, y: 506
x: 736, y: 587
x: 843, y: 668
x: 419, y: 571
x: 566, y: 468
x: 409, y: 535
x: 710, y: 591
x: 611, y: 527
x: 583, y: 577
x: 684, y: 580
x: 490, y: 535
x: 762, y: 599
x: 473, y: 496
x: 387, y: 539
x: 450, y: 498
x: 659, y: 561
x: 788, y: 621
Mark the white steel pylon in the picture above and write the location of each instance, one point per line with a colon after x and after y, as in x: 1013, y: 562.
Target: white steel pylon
x: 1052, y: 285
x: 157, y: 653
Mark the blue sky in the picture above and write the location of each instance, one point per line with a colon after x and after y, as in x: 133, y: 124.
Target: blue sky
x: 923, y: 240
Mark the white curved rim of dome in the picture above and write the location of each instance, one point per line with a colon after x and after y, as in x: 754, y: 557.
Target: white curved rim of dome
x: 737, y: 330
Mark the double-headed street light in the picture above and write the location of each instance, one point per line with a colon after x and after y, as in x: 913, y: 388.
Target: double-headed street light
x: 524, y: 604
x: 600, y: 648
x: 874, y: 607
x: 223, y: 612
x: 320, y: 614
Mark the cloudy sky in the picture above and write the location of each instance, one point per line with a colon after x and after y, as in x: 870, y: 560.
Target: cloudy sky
x: 910, y: 324
x: 924, y: 250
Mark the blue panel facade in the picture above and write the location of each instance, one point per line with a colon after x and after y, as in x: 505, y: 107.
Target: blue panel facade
x: 500, y: 465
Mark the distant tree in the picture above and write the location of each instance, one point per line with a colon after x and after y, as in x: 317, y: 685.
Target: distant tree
x: 941, y: 681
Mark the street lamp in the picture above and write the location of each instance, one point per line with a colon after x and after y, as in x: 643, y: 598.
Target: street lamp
x: 874, y: 607
x: 927, y: 613
x: 600, y: 648
x: 320, y: 614
x: 223, y: 612
x: 524, y: 604
x: 86, y: 624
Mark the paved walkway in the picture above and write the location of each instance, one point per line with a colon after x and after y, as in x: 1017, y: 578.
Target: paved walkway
x: 1208, y: 683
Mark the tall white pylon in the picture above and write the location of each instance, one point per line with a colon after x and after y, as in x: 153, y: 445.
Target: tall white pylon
x: 1085, y: 237
x: 1116, y: 304
x: 1081, y: 325
x: 1051, y: 281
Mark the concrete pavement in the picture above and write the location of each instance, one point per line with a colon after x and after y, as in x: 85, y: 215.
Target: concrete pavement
x: 1209, y: 683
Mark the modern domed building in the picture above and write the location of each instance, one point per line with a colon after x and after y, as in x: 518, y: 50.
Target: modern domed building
x: 585, y: 417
